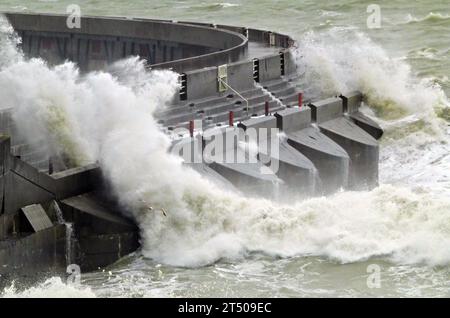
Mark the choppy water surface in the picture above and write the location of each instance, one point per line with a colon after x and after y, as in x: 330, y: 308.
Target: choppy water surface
x: 227, y: 246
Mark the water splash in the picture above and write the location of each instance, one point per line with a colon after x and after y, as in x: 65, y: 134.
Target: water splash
x: 70, y: 235
x: 110, y: 119
x: 51, y: 288
x: 339, y: 60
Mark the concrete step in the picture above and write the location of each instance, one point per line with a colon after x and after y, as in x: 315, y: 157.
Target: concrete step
x: 208, y: 102
x: 214, y: 109
x: 288, y: 90
x: 239, y: 103
x: 239, y: 115
x: 275, y: 85
x: 290, y: 99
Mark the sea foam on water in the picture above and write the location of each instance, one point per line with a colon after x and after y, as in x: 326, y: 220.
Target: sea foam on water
x: 107, y: 117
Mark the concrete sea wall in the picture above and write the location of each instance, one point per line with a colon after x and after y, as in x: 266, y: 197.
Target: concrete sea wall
x: 233, y: 81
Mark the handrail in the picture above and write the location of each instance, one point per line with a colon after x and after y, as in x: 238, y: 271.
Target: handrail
x: 236, y: 92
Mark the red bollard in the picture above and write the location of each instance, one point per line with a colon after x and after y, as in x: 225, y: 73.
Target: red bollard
x: 231, y: 119
x: 191, y: 128
x: 300, y: 99
x: 266, y: 108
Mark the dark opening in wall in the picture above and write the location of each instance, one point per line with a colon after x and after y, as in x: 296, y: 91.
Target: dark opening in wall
x: 282, y: 64
x: 183, y: 86
x: 96, y: 46
x: 256, y: 70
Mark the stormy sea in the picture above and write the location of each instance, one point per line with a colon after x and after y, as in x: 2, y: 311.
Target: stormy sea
x: 215, y: 243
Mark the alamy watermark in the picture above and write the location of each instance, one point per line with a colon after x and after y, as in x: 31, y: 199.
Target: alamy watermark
x: 74, y: 16
x: 231, y: 145
x: 374, y: 278
x: 374, y: 19
x: 74, y: 272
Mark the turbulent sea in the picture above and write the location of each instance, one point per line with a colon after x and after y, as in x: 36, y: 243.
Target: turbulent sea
x: 217, y: 244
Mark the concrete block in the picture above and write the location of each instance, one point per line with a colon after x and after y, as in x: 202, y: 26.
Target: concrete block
x: 290, y: 66
x: 367, y: 124
x: 210, y: 174
x: 7, y: 225
x: 326, y: 109
x: 224, y: 138
x: 297, y: 171
x: 362, y: 148
x: 293, y: 119
x: 5, y: 157
x: 76, y: 181
x: 240, y: 76
x: 250, y: 178
x: 202, y: 83
x: 264, y: 127
x: 91, y: 215
x: 269, y: 68
x: 43, y: 251
x: 37, y: 217
x: 331, y: 160
x: 351, y: 101
x: 20, y: 192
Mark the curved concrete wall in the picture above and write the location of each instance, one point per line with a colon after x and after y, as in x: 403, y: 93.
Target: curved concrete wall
x: 102, y: 40
x: 327, y: 145
x: 254, y: 35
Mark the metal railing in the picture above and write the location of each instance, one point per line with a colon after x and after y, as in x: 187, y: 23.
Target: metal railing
x: 237, y: 93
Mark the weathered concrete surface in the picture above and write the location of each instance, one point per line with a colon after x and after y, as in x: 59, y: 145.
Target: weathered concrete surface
x: 269, y: 68
x: 41, y: 252
x: 330, y: 159
x: 290, y: 65
x: 211, y: 175
x: 202, y: 83
x: 224, y: 153
x: 102, y: 235
x: 298, y: 173
x: 91, y: 215
x: 367, y: 124
x: 25, y: 185
x: 332, y: 137
x: 191, y: 150
x: 31, y: 235
x: 37, y: 217
x: 326, y: 109
x: 103, y: 40
x: 360, y: 146
x: 352, y: 102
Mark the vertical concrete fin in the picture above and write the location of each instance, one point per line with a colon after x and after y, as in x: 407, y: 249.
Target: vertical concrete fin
x: 351, y: 101
x: 326, y: 109
x: 293, y: 119
x: 5, y: 165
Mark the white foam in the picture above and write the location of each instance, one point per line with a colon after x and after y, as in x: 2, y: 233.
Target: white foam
x: 52, y: 288
x: 339, y: 61
x: 432, y: 16
x: 108, y: 118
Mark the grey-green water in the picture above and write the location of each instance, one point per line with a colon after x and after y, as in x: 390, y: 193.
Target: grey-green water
x: 333, y: 37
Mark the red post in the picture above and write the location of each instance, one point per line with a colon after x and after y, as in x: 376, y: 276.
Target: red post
x: 231, y: 118
x: 266, y: 108
x: 191, y: 128
x: 300, y: 99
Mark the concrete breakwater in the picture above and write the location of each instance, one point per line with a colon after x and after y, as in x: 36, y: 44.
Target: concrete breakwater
x: 233, y: 81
